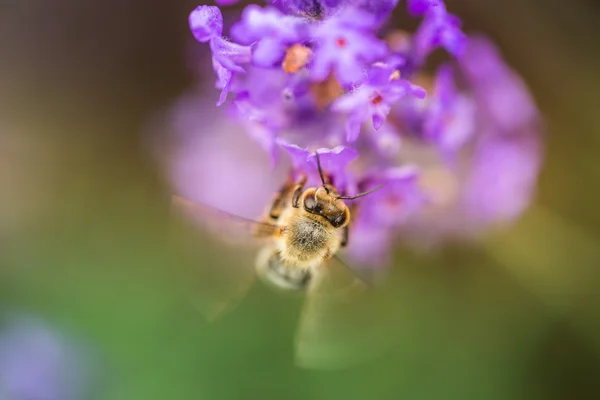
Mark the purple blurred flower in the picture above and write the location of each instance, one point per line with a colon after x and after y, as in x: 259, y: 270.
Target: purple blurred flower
x: 37, y: 363
x: 214, y: 161
x: 374, y: 99
x: 501, y: 185
x: 384, y: 211
x: 346, y: 45
x: 501, y: 94
x: 450, y: 118
x: 420, y: 7
x: 499, y: 164
x: 438, y: 29
x: 508, y: 152
x: 396, y: 201
x: 385, y: 141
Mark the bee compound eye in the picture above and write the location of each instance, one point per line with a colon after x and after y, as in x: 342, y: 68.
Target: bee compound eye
x: 310, y: 203
x: 339, y: 220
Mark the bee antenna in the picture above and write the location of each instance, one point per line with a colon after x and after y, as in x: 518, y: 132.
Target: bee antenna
x: 360, y: 194
x: 320, y: 170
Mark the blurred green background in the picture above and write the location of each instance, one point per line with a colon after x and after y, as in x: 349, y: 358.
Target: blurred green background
x: 83, y: 218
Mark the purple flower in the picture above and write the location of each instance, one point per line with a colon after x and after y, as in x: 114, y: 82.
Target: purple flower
x: 450, y: 117
x: 346, y: 46
x: 420, y: 7
x: 438, y: 29
x: 501, y: 94
x: 499, y: 162
x: 36, y: 363
x: 271, y: 31
x: 319, y: 9
x: 399, y: 197
x: 272, y: 104
x: 386, y: 141
x: 214, y: 160
x: 382, y: 212
x: 308, y: 74
x: 502, y: 184
x: 315, y: 9
x: 206, y: 23
x: 508, y: 153
x: 369, y: 244
x: 380, y: 8
x: 374, y: 99
x: 333, y: 161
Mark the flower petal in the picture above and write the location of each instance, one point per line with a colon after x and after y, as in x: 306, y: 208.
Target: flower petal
x: 206, y: 22
x: 268, y: 53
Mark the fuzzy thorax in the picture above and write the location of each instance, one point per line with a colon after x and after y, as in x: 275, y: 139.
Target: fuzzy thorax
x: 308, y: 240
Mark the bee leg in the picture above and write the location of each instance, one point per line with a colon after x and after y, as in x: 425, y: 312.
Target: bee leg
x: 345, y: 234
x: 280, y: 199
x: 298, y: 191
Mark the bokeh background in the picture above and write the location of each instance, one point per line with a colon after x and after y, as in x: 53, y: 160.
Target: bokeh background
x: 84, y: 215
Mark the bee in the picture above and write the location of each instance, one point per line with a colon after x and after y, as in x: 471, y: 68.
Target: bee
x: 302, y: 232
x: 312, y: 226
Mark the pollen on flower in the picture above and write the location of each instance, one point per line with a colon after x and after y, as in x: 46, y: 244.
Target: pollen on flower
x: 376, y: 98
x: 296, y: 58
x: 395, y: 75
x: 326, y: 92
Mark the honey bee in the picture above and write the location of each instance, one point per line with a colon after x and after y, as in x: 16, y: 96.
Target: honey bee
x: 302, y: 231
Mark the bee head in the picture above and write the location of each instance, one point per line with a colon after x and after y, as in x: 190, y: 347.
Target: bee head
x: 324, y: 201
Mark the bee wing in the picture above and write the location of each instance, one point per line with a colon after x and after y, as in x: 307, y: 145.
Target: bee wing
x: 231, y: 228
x: 344, y: 321
x: 214, y: 254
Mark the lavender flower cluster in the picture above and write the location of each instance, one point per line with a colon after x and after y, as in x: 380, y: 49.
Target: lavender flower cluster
x: 457, y: 149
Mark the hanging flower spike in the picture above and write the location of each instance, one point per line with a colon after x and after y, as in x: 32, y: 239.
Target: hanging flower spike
x: 450, y: 117
x: 438, y: 29
x: 508, y: 155
x: 374, y: 99
x: 346, y: 45
x: 502, y: 185
x: 206, y: 23
x: 501, y: 93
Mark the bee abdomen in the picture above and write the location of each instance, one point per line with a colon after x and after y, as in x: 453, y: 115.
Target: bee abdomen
x: 275, y: 272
